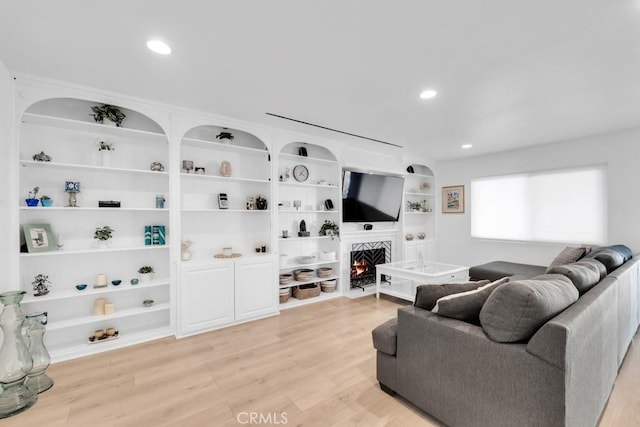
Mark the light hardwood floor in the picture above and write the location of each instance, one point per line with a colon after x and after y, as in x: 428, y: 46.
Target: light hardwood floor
x: 313, y: 365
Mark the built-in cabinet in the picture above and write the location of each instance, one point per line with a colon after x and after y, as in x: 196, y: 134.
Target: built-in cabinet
x: 63, y: 130
x: 221, y: 293
x: 418, y: 224
x: 309, y: 194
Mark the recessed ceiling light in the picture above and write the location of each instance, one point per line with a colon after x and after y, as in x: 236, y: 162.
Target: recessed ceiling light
x: 465, y: 146
x: 427, y: 94
x: 159, y: 47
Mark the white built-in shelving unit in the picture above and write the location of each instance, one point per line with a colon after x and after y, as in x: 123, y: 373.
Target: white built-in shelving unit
x: 322, y: 183
x: 418, y: 188
x: 63, y: 129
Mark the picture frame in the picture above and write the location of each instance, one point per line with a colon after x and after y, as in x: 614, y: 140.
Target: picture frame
x: 453, y: 199
x: 39, y: 238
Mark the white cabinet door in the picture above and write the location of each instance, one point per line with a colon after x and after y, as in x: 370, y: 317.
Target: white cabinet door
x: 256, y: 293
x: 206, y: 298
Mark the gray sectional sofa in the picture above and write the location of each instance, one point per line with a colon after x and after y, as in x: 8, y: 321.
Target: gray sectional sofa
x: 561, y: 376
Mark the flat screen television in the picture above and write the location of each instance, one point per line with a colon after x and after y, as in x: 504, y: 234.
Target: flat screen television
x: 370, y: 197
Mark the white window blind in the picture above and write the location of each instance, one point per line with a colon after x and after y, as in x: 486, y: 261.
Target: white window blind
x: 567, y: 206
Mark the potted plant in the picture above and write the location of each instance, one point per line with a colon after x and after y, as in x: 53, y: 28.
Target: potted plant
x: 330, y: 228
x: 32, y: 198
x: 103, y: 234
x: 40, y: 285
x: 146, y: 273
x: 46, y: 201
x: 414, y: 206
x: 225, y: 137
x: 109, y: 112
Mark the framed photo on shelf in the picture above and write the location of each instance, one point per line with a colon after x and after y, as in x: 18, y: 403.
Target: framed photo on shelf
x: 39, y: 238
x: 453, y: 199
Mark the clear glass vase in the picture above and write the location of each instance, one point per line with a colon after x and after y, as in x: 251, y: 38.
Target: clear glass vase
x: 37, y: 381
x: 15, y: 359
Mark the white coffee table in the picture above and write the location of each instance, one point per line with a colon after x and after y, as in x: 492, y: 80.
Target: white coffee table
x: 423, y: 273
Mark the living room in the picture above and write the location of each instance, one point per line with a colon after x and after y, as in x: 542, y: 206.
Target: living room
x: 526, y: 100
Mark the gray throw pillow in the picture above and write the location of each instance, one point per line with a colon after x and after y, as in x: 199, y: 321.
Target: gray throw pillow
x: 597, y: 264
x: 515, y: 312
x: 466, y: 306
x: 427, y: 295
x: 584, y: 275
x: 567, y: 256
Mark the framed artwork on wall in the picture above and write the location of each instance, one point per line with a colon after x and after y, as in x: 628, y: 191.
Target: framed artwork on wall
x: 453, y: 199
x: 39, y: 238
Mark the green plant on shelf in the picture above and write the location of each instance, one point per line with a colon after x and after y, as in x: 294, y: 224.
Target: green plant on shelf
x: 106, y: 111
x: 40, y: 285
x: 103, y: 233
x: 146, y: 269
x: 106, y: 146
x: 329, y: 228
x: 414, y: 206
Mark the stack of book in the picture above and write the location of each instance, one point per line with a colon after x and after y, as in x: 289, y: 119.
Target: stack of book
x: 154, y: 235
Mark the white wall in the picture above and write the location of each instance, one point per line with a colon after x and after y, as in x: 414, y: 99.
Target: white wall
x: 620, y: 150
x: 8, y: 220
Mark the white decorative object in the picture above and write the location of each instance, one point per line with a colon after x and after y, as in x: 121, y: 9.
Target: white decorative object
x: 101, y: 281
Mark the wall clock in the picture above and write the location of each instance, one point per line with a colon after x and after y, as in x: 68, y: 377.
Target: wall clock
x: 300, y: 173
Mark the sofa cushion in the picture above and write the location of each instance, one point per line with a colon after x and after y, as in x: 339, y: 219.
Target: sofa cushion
x: 623, y: 250
x: 567, y: 256
x: 427, y: 295
x: 385, y: 336
x: 597, y: 264
x: 515, y: 312
x: 498, y: 269
x: 584, y: 275
x: 466, y: 306
x: 611, y: 259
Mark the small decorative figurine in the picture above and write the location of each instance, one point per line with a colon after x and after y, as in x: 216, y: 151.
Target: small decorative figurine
x: 261, y: 203
x: 42, y: 157
x: 303, y: 230
x: 157, y: 167
x: 225, y: 168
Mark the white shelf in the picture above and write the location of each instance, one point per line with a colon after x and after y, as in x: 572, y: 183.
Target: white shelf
x: 419, y: 175
x: 303, y: 159
x: 88, y: 320
x: 305, y: 184
x: 419, y: 213
x: 227, y: 210
x: 295, y: 266
x: 304, y: 238
x: 409, y: 193
x: 90, y: 291
x: 196, y: 142
x: 55, y: 165
x: 89, y: 208
x: 300, y: 302
x: 223, y: 178
x: 94, y: 251
x: 316, y: 279
x: 124, y: 340
x: 88, y: 126
x: 293, y: 211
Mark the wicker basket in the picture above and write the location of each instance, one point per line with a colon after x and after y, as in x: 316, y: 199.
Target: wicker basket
x: 284, y: 295
x: 309, y: 290
x: 303, y: 275
x: 324, y: 272
x: 328, y: 285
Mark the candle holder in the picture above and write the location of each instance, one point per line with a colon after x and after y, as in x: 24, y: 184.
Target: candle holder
x: 73, y: 188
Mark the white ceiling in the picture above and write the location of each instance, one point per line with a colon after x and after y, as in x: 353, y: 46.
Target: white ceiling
x: 509, y: 73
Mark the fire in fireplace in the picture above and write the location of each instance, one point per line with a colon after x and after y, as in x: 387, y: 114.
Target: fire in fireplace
x: 364, y: 258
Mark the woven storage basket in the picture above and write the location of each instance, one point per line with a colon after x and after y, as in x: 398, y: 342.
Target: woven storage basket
x: 323, y: 272
x: 303, y: 275
x: 309, y: 290
x: 284, y: 295
x: 328, y: 285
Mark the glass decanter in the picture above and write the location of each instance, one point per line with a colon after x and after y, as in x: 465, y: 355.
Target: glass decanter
x: 15, y: 359
x: 37, y: 381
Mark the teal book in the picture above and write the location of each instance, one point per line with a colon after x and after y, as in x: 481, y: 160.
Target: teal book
x: 147, y: 235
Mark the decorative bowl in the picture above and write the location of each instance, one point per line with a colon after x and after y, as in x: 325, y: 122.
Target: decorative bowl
x: 147, y: 302
x: 134, y: 281
x: 421, y: 235
x: 306, y: 259
x: 116, y: 282
x: 81, y: 287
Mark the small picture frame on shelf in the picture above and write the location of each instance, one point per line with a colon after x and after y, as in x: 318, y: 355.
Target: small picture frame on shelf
x: 453, y: 199
x: 39, y: 238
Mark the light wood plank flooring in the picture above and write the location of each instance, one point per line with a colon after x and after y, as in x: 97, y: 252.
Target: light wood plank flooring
x: 315, y: 363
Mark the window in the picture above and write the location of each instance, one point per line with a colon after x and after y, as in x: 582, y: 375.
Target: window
x: 567, y: 206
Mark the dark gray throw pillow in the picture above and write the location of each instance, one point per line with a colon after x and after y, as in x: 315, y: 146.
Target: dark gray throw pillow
x: 610, y: 258
x: 466, y: 306
x: 515, y: 312
x: 567, y: 256
x: 427, y: 295
x: 597, y: 264
x: 583, y: 274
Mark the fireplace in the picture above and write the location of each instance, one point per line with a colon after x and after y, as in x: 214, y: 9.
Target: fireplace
x: 364, y: 257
